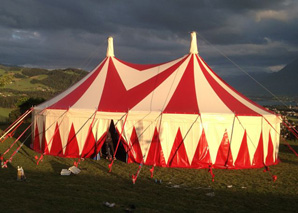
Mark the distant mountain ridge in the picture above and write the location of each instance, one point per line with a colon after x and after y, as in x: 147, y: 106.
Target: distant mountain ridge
x: 281, y: 83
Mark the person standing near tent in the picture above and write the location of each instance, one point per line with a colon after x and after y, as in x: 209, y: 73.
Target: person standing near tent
x: 109, y: 146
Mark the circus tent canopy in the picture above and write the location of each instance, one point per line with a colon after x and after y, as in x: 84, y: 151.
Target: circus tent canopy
x: 174, y: 114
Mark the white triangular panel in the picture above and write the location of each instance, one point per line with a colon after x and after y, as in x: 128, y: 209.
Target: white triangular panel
x: 145, y: 131
x: 64, y: 129
x: 40, y: 122
x: 266, y: 130
x: 100, y: 126
x: 191, y: 133
x: 128, y: 128
x: 167, y: 136
x: 81, y: 127
x: 253, y: 127
x: 50, y: 125
x: 236, y: 138
x: 215, y: 127
x: 274, y: 125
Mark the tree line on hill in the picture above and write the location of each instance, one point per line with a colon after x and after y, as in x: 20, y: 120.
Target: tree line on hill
x: 56, y: 80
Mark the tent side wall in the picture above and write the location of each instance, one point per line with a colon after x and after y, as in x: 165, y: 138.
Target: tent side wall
x: 168, y: 140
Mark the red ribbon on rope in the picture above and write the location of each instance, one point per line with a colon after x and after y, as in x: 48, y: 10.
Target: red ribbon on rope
x: 211, y: 172
x: 15, y: 141
x: 274, y: 177
x: 135, y: 177
x: 151, y: 171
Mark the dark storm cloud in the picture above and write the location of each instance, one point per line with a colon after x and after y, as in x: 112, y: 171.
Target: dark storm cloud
x: 258, y: 35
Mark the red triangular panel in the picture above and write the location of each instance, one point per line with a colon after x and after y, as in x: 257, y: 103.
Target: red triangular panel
x: 89, y: 146
x: 201, y: 157
x: 258, y: 160
x: 36, y: 142
x: 155, y: 155
x: 178, y: 156
x: 224, y: 154
x: 185, y: 93
x: 72, y: 147
x: 269, y: 158
x: 56, y: 148
x: 134, y: 153
x: 243, y: 160
x: 126, y: 99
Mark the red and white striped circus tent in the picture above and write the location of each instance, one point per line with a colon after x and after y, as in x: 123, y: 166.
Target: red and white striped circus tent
x: 174, y: 114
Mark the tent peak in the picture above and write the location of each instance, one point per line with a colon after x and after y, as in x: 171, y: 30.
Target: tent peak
x: 110, y: 49
x: 193, y: 43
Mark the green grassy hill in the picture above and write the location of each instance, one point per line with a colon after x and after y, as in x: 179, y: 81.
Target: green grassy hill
x: 19, y: 83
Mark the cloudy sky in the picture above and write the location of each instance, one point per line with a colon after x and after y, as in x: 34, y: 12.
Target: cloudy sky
x: 256, y: 35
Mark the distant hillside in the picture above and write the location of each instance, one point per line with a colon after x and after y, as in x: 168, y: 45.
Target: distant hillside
x: 17, y: 83
x: 281, y: 83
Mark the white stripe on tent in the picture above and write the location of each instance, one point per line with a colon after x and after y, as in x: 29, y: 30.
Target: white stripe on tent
x: 234, y: 94
x: 66, y: 92
x: 208, y: 100
x: 91, y: 98
x: 158, y: 99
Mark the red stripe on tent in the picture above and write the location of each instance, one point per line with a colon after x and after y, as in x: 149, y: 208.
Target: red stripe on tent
x: 134, y: 153
x: 184, y: 99
x: 241, y: 95
x: 178, y: 156
x: 258, y: 160
x: 56, y: 148
x: 89, y: 147
x: 139, y: 67
x: 116, y: 98
x: 71, y: 98
x: 201, y: 157
x: 243, y: 160
x: 155, y: 154
x: 270, y: 156
x: 72, y: 147
x: 224, y: 157
x: 36, y: 142
x: 228, y: 99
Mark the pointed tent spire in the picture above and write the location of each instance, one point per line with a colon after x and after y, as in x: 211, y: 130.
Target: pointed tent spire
x: 110, y: 49
x: 193, y: 44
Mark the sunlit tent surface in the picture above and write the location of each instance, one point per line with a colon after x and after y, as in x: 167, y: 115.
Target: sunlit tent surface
x: 175, y: 114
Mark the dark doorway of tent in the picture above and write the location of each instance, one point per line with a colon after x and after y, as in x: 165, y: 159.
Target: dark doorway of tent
x: 121, y: 153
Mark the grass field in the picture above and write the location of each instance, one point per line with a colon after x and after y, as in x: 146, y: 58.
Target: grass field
x: 24, y: 84
x: 180, y: 190
x: 4, y: 112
